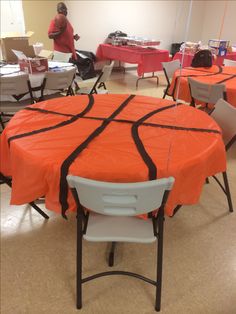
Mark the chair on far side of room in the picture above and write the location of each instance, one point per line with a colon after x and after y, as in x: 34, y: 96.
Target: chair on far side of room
x: 111, y: 219
x: 97, y: 82
x: 169, y: 69
x: 205, y: 94
x: 56, y: 83
x: 61, y: 56
x: 14, y: 89
x: 229, y: 63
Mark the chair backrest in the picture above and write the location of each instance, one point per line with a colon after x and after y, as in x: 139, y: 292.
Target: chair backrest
x: 59, y: 80
x: 207, y: 93
x: 106, y: 72
x: 225, y: 116
x: 120, y: 199
x: 15, y: 85
x: 229, y: 63
x: 61, y: 56
x: 169, y: 68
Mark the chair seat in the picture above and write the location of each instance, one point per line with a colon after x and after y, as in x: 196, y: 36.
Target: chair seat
x: 55, y: 95
x: 13, y: 106
x: 119, y: 229
x: 85, y: 91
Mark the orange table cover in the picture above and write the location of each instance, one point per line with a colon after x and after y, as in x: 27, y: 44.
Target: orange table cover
x: 115, y: 138
x: 213, y: 75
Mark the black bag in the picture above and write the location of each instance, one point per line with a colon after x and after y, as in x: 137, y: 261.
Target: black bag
x: 202, y: 58
x: 85, y: 64
x: 117, y: 34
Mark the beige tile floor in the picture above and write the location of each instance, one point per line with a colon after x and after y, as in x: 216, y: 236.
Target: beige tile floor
x: 199, y: 276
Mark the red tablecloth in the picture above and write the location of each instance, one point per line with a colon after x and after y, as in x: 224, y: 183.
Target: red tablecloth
x: 148, y: 59
x: 188, y: 57
x: 213, y: 75
x: 115, y: 138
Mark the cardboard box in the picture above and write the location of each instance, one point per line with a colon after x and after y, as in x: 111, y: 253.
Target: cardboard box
x: 220, y: 46
x: 35, y: 65
x: 18, y: 42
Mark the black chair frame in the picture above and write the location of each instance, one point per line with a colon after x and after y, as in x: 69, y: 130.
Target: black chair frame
x: 158, y: 226
x: 8, y: 181
x: 17, y: 98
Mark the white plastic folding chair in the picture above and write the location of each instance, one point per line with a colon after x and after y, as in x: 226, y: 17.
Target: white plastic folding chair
x: 61, y: 56
x: 57, y: 82
x: 15, y: 89
x: 229, y: 63
x: 225, y: 116
x: 97, y: 82
x: 169, y: 69
x: 205, y: 93
x: 111, y: 219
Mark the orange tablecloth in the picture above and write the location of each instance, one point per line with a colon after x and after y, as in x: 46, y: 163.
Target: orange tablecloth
x: 213, y: 75
x: 148, y: 59
x: 119, y: 138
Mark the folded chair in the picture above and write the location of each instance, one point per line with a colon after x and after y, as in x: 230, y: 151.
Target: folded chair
x: 111, y: 219
x: 58, y: 83
x: 14, y: 88
x: 205, y: 93
x: 97, y: 82
x: 225, y: 116
x: 169, y: 69
x: 229, y: 63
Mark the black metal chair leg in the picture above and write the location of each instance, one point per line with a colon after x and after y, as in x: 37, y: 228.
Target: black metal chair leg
x: 1, y: 123
x: 227, y: 190
x: 111, y: 254
x: 7, y: 180
x: 79, y: 262
x: 165, y: 93
x: 159, y: 259
x: 42, y: 213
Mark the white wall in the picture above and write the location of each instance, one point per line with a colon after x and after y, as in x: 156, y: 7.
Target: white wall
x: 12, y: 18
x: 214, y: 14
x: 164, y: 20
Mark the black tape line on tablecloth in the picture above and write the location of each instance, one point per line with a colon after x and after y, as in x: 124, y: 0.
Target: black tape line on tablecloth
x: 152, y: 170
x: 227, y: 79
x: 158, y: 125
x: 194, y: 75
x: 61, y: 124
x: 69, y: 160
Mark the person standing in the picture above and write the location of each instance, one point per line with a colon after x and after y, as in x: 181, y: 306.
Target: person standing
x: 62, y: 32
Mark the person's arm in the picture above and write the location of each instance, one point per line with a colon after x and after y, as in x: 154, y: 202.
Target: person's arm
x: 53, y: 35
x: 54, y: 31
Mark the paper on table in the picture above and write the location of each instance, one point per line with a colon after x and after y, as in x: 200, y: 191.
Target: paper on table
x: 20, y: 55
x: 9, y: 70
x: 55, y: 64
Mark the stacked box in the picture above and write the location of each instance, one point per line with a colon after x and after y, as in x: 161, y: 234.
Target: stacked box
x: 33, y: 65
x: 219, y: 45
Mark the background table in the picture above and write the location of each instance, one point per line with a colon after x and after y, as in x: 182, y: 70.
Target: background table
x: 115, y: 138
x: 213, y: 75
x: 148, y: 59
x: 188, y: 57
x: 36, y: 79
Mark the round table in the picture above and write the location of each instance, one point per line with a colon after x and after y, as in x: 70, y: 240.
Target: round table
x: 213, y: 75
x: 36, y: 79
x: 115, y: 138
